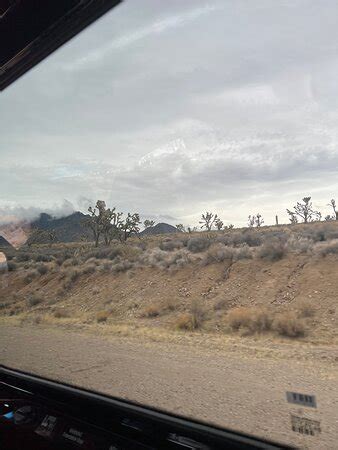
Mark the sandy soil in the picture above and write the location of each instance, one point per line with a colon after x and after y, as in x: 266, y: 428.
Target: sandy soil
x: 241, y: 387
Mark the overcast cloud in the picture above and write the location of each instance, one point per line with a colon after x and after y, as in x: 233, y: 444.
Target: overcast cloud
x: 172, y: 108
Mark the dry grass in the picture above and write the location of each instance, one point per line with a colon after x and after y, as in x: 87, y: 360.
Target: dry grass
x: 102, y: 316
x: 61, y: 313
x: 251, y: 320
x: 152, y: 310
x: 184, y: 322
x: 288, y: 324
x: 192, y: 320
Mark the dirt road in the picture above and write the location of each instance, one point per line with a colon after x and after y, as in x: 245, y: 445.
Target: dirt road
x: 233, y: 390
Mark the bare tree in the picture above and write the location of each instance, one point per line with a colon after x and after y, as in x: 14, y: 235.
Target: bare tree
x: 148, y: 223
x: 207, y: 220
x: 304, y: 211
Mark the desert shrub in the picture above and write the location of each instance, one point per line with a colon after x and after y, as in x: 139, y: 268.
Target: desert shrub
x: 30, y: 276
x: 41, y: 257
x: 331, y: 234
x: 289, y: 324
x: 88, y: 269
x: 184, y: 322
x: 102, y: 316
x: 164, y: 260
x: 272, y: 251
x: 11, y: 266
x: 217, y: 253
x: 70, y: 262
x: 71, y: 276
x: 93, y: 260
x: 198, y: 314
x: 42, y: 269
x: 61, y: 313
x: 121, y: 265
x: 305, y: 309
x: 198, y: 244
x: 250, y: 237
x: 329, y: 248
x: 22, y: 257
x: 299, y: 244
x: 253, y: 320
x: 170, y: 244
x: 105, y: 266
x: 150, y: 311
x: 34, y: 299
x: 242, y: 252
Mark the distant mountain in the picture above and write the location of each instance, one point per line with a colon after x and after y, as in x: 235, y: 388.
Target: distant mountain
x: 159, y: 228
x: 4, y: 243
x: 67, y: 229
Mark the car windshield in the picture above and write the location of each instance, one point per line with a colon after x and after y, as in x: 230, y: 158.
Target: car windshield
x: 168, y: 222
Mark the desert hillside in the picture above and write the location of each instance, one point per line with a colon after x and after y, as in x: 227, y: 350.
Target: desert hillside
x: 274, y: 281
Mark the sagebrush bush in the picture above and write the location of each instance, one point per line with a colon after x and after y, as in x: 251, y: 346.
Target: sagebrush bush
x: 88, y: 269
x: 217, y: 253
x: 299, y: 245
x: 327, y: 248
x: 121, y: 265
x: 42, y: 269
x: 22, y: 257
x: 272, y: 251
x: 288, y: 324
x: 249, y: 237
x: 70, y: 262
x: 198, y: 244
x: 164, y: 260
x: 42, y: 257
x: 170, y: 244
x: 30, y: 276
x: 34, y: 299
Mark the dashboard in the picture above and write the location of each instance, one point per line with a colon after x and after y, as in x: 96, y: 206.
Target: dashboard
x: 36, y: 413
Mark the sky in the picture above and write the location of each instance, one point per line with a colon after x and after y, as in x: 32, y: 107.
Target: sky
x: 174, y: 108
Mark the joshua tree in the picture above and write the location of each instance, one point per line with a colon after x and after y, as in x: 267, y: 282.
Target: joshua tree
x: 148, y: 223
x: 130, y: 226
x: 304, y: 211
x: 219, y: 224
x: 181, y: 227
x: 207, y: 220
x: 96, y: 220
x: 255, y: 220
x: 333, y: 205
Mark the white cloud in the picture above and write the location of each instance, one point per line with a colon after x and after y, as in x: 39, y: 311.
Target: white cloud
x: 131, y: 38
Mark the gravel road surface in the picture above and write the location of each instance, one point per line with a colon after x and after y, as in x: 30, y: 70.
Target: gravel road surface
x: 237, y: 391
